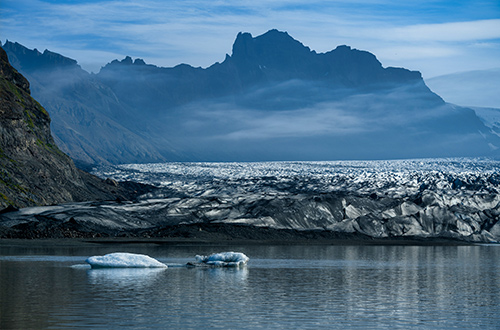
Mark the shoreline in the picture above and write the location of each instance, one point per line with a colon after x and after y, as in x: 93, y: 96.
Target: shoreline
x: 205, y: 234
x: 177, y: 241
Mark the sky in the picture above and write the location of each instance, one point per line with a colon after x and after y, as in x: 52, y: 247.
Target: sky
x: 435, y: 37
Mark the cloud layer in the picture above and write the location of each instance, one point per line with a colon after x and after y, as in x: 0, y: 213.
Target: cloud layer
x: 435, y: 37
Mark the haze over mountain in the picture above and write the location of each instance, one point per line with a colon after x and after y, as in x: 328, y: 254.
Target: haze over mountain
x: 471, y: 88
x: 272, y: 99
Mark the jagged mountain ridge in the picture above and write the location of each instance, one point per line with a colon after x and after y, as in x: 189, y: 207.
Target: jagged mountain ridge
x: 272, y: 99
x: 263, y: 61
x: 276, y: 56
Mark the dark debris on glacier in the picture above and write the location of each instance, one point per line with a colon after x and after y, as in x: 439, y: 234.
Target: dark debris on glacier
x: 427, y: 199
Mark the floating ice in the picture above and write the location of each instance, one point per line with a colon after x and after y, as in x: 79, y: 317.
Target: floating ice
x: 224, y: 259
x: 124, y: 260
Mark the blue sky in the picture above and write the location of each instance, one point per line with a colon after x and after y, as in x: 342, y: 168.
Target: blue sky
x: 434, y: 37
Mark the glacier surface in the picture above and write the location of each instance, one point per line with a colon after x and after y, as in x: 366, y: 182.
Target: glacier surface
x: 457, y: 198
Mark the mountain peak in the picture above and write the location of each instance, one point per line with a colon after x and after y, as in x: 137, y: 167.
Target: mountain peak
x: 242, y: 44
x: 11, y: 74
x: 139, y: 61
x: 34, y: 60
x: 59, y: 60
x: 127, y: 62
x: 273, y: 45
x: 276, y: 56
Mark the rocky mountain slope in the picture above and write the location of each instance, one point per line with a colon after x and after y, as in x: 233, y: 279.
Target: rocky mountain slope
x: 272, y: 99
x: 33, y: 171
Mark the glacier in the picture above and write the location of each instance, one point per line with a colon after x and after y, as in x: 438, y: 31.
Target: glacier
x: 449, y: 198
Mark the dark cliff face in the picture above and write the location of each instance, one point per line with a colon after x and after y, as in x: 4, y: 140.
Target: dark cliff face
x: 33, y: 171
x: 276, y: 56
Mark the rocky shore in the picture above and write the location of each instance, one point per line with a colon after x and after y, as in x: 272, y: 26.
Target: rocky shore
x: 205, y: 234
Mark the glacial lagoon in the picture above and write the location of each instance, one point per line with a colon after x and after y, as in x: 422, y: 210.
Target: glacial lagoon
x: 281, y: 287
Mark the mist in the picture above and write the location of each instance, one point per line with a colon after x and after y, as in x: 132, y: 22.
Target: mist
x: 471, y: 88
x: 396, y: 123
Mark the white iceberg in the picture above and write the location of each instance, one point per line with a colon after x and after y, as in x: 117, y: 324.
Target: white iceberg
x: 223, y: 259
x: 124, y: 260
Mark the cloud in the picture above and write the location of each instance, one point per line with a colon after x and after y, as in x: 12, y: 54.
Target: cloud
x: 444, y: 32
x: 322, y: 120
x: 340, y: 116
x: 473, y: 88
x: 411, y: 52
x: 199, y: 33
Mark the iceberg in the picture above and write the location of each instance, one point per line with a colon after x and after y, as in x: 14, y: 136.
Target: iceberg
x: 124, y: 260
x: 223, y: 259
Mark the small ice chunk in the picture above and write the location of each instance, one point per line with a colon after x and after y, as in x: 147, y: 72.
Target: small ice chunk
x: 124, y: 260
x: 224, y: 259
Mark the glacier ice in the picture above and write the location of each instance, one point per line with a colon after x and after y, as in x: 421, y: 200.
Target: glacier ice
x: 223, y: 259
x: 124, y: 260
x: 425, y: 198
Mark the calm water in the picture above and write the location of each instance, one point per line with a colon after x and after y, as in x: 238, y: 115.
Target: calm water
x: 283, y: 287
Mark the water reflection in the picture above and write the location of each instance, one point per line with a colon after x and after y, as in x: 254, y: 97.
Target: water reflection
x: 283, y: 287
x: 123, y: 277
x: 221, y: 281
x: 228, y: 275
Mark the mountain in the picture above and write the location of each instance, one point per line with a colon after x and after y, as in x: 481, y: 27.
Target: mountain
x: 470, y: 88
x: 272, y: 99
x: 33, y: 171
x: 84, y: 111
x: 265, y: 62
x: 490, y: 117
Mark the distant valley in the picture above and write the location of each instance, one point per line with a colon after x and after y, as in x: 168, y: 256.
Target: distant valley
x: 272, y: 99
